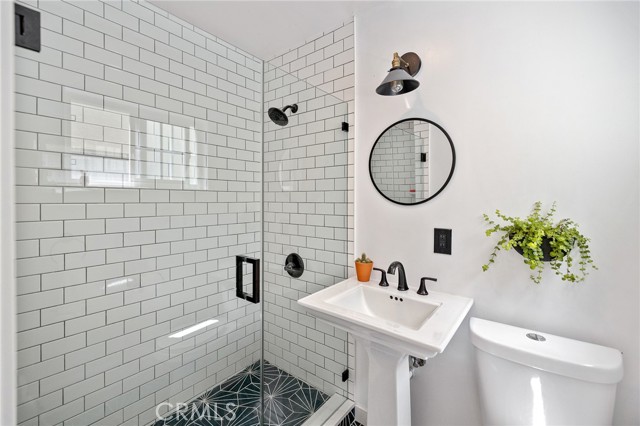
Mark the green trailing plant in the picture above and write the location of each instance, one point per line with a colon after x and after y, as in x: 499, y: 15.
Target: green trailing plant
x: 529, y: 236
x: 364, y: 259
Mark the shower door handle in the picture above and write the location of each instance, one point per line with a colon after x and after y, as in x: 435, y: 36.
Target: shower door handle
x: 255, y: 276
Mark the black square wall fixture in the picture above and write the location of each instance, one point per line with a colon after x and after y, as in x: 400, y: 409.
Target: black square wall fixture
x: 442, y: 241
x: 27, y: 31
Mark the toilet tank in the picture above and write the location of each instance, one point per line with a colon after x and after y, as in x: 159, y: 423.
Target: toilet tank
x: 535, y: 378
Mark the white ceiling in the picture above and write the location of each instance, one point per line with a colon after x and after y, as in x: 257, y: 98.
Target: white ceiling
x: 265, y: 28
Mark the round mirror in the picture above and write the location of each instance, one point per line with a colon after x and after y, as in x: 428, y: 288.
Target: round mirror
x: 412, y: 161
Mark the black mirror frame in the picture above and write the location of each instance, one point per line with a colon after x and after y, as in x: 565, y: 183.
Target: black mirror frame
x: 453, y: 161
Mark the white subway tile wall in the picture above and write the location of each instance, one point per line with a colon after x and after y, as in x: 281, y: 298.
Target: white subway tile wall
x: 138, y: 152
x: 309, y: 204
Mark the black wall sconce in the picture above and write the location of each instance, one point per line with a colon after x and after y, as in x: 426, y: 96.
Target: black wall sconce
x: 400, y: 78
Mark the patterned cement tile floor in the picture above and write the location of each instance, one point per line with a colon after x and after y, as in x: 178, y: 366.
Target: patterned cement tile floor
x: 288, y: 401
x: 350, y: 420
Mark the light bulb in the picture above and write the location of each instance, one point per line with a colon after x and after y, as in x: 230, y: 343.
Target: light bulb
x: 396, y: 86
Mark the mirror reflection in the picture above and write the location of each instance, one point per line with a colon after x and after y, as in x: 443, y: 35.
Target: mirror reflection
x: 412, y: 161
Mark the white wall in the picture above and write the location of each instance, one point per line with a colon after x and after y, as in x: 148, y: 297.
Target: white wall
x: 541, y: 101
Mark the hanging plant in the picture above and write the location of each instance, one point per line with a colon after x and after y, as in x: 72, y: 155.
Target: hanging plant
x: 538, y: 239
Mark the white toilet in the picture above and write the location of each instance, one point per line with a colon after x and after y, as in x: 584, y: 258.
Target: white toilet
x: 533, y: 378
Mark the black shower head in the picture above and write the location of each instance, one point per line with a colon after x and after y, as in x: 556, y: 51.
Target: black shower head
x: 279, y: 117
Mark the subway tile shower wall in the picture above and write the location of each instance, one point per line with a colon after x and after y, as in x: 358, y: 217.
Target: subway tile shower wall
x: 309, y: 204
x: 138, y: 151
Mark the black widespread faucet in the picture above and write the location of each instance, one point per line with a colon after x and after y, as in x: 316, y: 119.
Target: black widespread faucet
x: 402, y: 278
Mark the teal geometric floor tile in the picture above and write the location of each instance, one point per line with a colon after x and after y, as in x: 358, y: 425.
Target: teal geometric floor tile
x: 350, y: 419
x: 288, y: 401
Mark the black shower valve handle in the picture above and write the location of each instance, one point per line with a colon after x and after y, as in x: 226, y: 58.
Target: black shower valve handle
x: 294, y: 265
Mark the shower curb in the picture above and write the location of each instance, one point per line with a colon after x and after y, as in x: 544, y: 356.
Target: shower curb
x: 332, y: 412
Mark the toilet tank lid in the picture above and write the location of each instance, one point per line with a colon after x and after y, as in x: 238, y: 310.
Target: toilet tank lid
x: 559, y: 355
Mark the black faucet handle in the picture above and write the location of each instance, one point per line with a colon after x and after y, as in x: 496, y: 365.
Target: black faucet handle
x: 383, y: 278
x: 423, y: 285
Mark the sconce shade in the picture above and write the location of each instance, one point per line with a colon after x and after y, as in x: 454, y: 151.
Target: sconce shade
x: 396, y: 75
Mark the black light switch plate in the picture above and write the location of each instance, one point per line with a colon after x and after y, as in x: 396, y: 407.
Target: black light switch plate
x: 442, y: 241
x: 27, y: 31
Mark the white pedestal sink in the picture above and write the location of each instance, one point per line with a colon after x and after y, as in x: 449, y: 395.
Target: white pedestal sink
x: 391, y: 325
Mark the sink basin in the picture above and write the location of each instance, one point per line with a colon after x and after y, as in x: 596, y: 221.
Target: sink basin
x: 390, y: 326
x: 420, y: 326
x: 378, y: 303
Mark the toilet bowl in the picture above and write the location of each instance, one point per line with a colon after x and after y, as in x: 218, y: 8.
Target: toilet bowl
x: 534, y: 378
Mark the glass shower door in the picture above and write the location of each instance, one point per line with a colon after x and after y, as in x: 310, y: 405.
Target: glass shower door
x: 305, y: 246
x: 138, y: 185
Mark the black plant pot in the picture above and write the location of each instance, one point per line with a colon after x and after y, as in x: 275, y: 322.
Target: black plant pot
x: 546, y: 250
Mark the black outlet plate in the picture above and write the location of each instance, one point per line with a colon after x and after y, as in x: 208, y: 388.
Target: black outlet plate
x: 442, y: 241
x: 27, y: 31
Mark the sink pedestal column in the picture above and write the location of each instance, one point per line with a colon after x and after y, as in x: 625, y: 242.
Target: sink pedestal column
x: 389, y: 397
